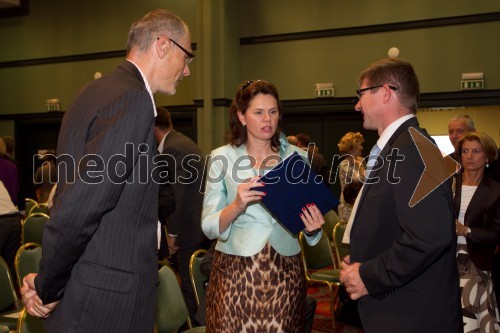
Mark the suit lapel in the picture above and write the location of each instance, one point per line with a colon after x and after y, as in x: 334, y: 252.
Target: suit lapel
x: 387, y: 148
x: 477, y: 201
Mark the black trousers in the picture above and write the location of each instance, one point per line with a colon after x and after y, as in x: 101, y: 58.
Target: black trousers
x: 10, y: 238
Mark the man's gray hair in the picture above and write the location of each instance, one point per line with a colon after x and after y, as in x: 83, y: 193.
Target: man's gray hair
x: 153, y: 25
x: 468, y: 121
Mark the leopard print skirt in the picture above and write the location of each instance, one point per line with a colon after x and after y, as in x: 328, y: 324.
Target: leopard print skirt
x: 261, y: 293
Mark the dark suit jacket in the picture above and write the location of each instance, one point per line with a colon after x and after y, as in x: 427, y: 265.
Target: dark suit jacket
x: 184, y: 165
x: 407, y: 254
x: 100, y: 245
x: 483, y: 218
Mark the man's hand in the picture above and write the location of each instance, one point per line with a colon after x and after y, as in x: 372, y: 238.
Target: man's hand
x: 172, y: 246
x: 31, y: 300
x: 349, y: 275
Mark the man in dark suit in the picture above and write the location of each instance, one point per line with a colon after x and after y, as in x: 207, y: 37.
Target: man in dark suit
x: 402, y: 265
x: 183, y: 175
x: 99, y: 266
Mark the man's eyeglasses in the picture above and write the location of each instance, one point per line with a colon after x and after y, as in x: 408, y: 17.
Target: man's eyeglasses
x: 360, y: 92
x: 190, y: 55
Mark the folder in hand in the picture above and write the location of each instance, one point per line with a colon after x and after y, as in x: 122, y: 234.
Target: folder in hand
x: 291, y: 185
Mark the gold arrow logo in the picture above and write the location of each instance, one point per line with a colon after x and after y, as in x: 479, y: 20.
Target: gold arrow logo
x: 438, y: 168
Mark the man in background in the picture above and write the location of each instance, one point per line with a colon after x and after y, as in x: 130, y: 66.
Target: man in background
x: 458, y: 126
x: 99, y: 271
x: 183, y: 165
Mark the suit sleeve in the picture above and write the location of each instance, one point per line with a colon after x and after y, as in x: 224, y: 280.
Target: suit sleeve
x: 166, y: 202
x: 81, y: 205
x: 427, y: 228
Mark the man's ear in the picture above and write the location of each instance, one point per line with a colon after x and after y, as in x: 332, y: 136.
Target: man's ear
x: 161, y: 47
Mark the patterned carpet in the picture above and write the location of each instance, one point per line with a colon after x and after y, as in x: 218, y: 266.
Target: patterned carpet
x: 322, y: 318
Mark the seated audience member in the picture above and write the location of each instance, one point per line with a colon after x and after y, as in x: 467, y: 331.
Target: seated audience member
x: 46, y: 176
x: 10, y: 144
x: 477, y: 214
x: 351, y: 169
x: 8, y: 173
x: 206, y: 267
x: 292, y: 139
x: 10, y: 228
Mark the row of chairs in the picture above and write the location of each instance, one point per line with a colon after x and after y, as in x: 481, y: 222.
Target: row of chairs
x: 36, y: 207
x: 171, y: 313
x: 26, y: 261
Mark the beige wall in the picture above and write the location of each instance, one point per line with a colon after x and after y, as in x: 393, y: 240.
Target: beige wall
x: 60, y: 27
x: 486, y: 119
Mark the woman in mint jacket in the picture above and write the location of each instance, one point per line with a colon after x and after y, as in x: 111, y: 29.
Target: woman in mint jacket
x: 257, y: 282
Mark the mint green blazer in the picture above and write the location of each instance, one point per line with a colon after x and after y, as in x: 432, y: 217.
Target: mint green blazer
x: 251, y: 230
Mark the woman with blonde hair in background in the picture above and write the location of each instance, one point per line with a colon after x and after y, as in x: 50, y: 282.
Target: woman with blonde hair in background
x: 477, y: 214
x: 351, y: 169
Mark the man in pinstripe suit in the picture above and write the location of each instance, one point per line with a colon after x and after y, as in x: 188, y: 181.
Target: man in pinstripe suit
x: 99, y: 266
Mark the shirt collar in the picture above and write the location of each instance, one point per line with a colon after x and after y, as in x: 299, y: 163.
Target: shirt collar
x: 162, y: 142
x: 146, y: 83
x: 391, y: 129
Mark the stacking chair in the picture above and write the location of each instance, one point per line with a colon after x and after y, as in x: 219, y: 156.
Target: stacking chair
x: 197, y: 277
x: 27, y: 260
x: 319, y: 266
x: 33, y: 228
x: 341, y: 249
x: 40, y: 208
x: 29, y: 324
x: 9, y: 302
x: 331, y: 220
x: 30, y: 203
x: 171, y: 310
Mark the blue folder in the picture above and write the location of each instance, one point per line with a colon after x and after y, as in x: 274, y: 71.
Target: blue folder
x: 291, y: 185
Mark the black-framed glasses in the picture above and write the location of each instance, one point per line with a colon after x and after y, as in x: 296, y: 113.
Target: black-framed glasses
x: 360, y: 92
x: 190, y: 55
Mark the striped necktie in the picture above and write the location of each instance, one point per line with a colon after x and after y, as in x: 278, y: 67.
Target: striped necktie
x: 372, y: 159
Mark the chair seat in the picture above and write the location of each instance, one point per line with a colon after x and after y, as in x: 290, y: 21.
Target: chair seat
x: 198, y: 329
x: 330, y: 275
x: 10, y: 321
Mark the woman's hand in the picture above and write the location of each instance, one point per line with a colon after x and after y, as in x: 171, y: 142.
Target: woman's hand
x: 312, y: 218
x: 247, y: 194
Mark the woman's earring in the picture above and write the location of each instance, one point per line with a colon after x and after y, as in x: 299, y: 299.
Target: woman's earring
x: 487, y: 164
x: 244, y: 125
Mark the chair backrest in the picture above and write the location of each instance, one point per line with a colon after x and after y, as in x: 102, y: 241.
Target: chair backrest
x: 8, y: 298
x: 27, y: 260
x: 341, y: 249
x: 171, y: 310
x: 40, y: 208
x: 318, y: 256
x: 33, y: 228
x: 26, y: 323
x: 331, y: 220
x: 197, y: 277
x: 30, y: 203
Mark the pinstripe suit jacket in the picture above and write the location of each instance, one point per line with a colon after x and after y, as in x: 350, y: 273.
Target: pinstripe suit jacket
x: 99, y: 248
x: 407, y: 254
